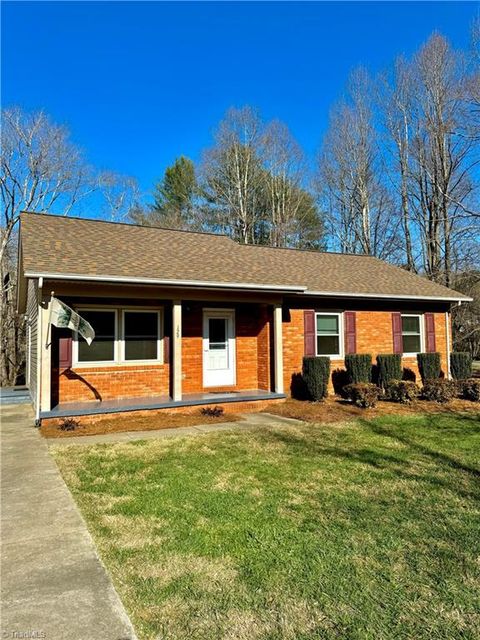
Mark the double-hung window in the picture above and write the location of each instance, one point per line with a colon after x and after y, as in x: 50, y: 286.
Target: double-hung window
x: 121, y: 336
x: 103, y: 348
x: 329, y: 334
x: 411, y: 334
x: 141, y: 335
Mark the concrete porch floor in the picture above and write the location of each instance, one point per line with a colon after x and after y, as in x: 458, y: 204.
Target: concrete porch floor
x: 64, y: 410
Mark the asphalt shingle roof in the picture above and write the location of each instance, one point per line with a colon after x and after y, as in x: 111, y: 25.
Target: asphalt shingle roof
x: 81, y: 247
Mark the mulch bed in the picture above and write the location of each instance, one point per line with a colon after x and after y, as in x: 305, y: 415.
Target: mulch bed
x: 113, y: 424
x: 335, y: 409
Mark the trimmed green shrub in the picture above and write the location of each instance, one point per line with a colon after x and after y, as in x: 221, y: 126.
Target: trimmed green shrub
x: 403, y: 391
x: 429, y: 365
x: 460, y: 365
x: 389, y: 367
x: 212, y: 412
x: 363, y: 394
x: 359, y: 367
x: 316, y: 373
x: 471, y: 389
x: 339, y: 381
x: 440, y: 390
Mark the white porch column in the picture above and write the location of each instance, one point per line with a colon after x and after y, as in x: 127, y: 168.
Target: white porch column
x: 176, y: 350
x: 278, y: 347
x: 44, y: 364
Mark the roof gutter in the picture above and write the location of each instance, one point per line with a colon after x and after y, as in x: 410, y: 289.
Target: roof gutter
x: 172, y: 283
x: 240, y: 286
x: 389, y: 296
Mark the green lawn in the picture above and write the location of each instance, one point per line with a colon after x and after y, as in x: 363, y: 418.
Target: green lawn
x: 368, y: 530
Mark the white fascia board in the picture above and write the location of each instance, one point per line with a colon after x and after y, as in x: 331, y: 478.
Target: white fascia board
x: 174, y: 283
x: 387, y: 296
x: 241, y: 285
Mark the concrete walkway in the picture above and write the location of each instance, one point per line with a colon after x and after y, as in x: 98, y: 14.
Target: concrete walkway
x: 53, y: 583
x: 249, y: 420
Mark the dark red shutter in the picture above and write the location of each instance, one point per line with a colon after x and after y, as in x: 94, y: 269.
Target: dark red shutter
x: 65, y: 353
x: 350, y: 332
x: 397, y: 332
x: 430, y: 332
x: 166, y: 350
x: 309, y: 332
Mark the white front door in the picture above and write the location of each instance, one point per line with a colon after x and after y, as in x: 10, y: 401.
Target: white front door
x: 218, y: 347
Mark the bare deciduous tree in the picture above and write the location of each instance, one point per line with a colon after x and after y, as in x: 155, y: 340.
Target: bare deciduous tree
x: 120, y: 195
x: 284, y: 177
x: 43, y: 171
x: 231, y: 173
x: 443, y: 154
x: 351, y: 189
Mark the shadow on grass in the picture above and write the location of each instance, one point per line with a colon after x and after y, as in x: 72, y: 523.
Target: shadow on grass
x: 399, y: 466
x: 392, y: 433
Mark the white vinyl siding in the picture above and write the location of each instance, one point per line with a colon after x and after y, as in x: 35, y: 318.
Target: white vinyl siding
x: 32, y: 332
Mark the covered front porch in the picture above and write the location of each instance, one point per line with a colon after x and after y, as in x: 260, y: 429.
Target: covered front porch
x: 211, y: 349
x: 145, y: 403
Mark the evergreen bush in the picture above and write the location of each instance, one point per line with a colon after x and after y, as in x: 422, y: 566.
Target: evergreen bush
x: 389, y: 367
x: 471, y: 389
x: 316, y: 373
x: 403, y: 391
x: 460, y: 365
x: 359, y: 367
x: 429, y: 366
x: 363, y: 394
x: 440, y: 390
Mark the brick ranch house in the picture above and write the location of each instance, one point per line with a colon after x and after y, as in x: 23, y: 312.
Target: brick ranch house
x: 185, y: 319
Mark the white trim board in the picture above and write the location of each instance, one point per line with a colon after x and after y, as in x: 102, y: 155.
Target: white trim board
x: 301, y: 289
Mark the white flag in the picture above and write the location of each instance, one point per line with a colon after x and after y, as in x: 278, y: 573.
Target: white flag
x: 65, y: 318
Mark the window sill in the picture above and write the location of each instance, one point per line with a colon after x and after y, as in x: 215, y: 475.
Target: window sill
x: 114, y: 365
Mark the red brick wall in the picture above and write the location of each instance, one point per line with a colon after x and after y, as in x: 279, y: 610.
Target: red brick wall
x: 106, y: 383
x: 251, y: 335
x: 264, y: 349
x: 253, y: 356
x: 252, y: 326
x: 374, y: 335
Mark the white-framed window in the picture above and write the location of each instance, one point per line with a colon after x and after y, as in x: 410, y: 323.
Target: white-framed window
x: 412, y: 334
x: 103, y: 349
x: 127, y: 335
x: 329, y: 334
x: 140, y: 335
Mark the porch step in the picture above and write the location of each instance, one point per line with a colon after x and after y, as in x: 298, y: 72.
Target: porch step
x: 15, y: 395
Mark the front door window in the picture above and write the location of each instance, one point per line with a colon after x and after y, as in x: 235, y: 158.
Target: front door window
x: 218, y: 349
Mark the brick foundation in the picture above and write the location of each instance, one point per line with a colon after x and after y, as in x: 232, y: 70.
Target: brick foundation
x: 229, y: 408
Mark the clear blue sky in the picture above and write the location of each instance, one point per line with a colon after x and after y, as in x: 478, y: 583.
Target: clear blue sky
x: 140, y: 83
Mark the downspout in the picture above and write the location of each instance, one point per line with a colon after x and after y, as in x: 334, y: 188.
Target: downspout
x: 39, y: 353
